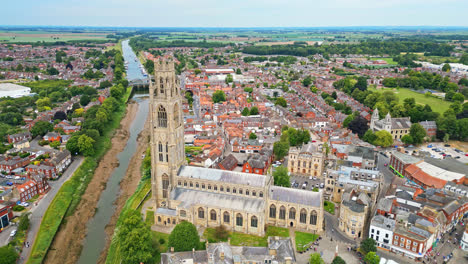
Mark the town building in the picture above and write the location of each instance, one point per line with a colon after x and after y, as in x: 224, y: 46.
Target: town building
x: 354, y: 210
x: 279, y: 250
x: 243, y: 202
x: 306, y: 160
x: 13, y: 90
x: 397, y: 127
x: 6, y: 214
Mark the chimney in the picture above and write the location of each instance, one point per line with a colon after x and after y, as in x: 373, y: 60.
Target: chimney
x: 229, y: 241
x: 272, y: 252
x: 288, y: 260
x: 172, y: 249
x: 221, y: 255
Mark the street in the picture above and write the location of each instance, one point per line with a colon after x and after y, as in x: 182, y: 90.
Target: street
x: 38, y: 211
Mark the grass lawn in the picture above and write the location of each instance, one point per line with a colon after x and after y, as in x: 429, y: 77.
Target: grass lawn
x: 388, y: 60
x: 158, y: 236
x: 149, y: 217
x: 302, y: 239
x: 437, y: 104
x: 277, y: 231
x: 240, y: 239
x: 329, y: 207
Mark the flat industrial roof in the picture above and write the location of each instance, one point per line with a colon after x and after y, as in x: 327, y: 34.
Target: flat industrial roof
x: 7, y: 87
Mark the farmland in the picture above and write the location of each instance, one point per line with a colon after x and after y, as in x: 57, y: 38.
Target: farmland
x: 48, y: 36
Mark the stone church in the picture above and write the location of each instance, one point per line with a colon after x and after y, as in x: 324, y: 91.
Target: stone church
x: 397, y: 127
x: 243, y: 202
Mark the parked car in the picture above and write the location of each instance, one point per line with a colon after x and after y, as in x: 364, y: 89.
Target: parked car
x: 9, y: 183
x: 315, y: 178
x: 13, y: 233
x: 317, y: 185
x: 322, y: 185
x: 447, y: 145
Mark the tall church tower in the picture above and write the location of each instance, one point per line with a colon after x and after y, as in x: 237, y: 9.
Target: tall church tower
x: 167, y: 137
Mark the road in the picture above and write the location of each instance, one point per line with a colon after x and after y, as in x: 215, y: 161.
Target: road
x: 332, y: 230
x: 38, y: 211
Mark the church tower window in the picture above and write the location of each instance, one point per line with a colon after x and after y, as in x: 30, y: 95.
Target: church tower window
x: 162, y: 117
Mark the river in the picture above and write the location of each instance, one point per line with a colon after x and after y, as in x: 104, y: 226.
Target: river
x: 95, y: 240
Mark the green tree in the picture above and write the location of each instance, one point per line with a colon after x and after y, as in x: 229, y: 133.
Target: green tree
x: 41, y: 128
x: 418, y: 133
x: 307, y: 81
x: 383, y: 138
x: 407, y: 139
x: 229, y: 79
x: 42, y: 103
x: 372, y: 258
x: 254, y: 110
x: 361, y: 83
x: 281, y: 177
x: 55, y: 144
x: 348, y: 120
x: 136, y: 243
x: 238, y: 71
x: 316, y: 259
x: 368, y: 245
x: 246, y: 111
x: 8, y: 255
x: 252, y: 136
x: 446, y: 67
x: 85, y: 99
x: 338, y: 260
x: 116, y: 92
x: 86, y: 145
x: 218, y: 96
x: 464, y: 59
x: 281, y: 149
x: 184, y: 237
x: 281, y: 101
x: 72, y: 144
x: 101, y: 116
x: 458, y: 97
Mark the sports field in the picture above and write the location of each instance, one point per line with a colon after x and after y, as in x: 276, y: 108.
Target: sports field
x: 437, y: 105
x: 388, y: 60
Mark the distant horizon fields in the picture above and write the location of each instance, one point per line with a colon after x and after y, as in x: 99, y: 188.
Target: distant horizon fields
x: 24, y: 34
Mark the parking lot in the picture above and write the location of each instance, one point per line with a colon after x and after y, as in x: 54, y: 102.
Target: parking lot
x: 306, y: 183
x: 442, y: 150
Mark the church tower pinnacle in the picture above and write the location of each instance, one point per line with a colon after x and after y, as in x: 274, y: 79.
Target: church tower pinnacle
x: 167, y: 137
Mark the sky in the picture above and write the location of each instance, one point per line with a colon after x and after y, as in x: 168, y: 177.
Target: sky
x: 234, y: 13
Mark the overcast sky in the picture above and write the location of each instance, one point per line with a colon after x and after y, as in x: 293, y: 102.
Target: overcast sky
x: 235, y: 13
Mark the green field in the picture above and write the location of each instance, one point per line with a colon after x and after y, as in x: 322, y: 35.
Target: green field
x: 303, y: 239
x: 48, y: 36
x: 240, y: 239
x: 388, y: 60
x: 437, y: 104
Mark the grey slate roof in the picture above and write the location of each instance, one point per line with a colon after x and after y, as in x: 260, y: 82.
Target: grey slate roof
x: 189, y: 197
x: 401, y: 123
x: 297, y: 196
x: 233, y: 177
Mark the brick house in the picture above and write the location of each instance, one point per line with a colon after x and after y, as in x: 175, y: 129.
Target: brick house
x: 228, y: 163
x: 48, y: 171
x: 26, y: 191
x: 52, y: 136
x: 19, y: 137
x: 6, y: 214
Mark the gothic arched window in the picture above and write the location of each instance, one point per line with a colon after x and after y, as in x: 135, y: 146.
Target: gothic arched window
x: 254, y: 221
x: 226, y: 217
x: 165, y: 185
x: 162, y: 117
x: 282, y: 213
x: 201, y: 213
x: 239, y: 220
x: 160, y: 149
x: 213, y: 215
x: 176, y: 115
x: 313, y: 218
x: 272, y: 211
x: 303, y: 216
x: 161, y: 85
x: 292, y: 213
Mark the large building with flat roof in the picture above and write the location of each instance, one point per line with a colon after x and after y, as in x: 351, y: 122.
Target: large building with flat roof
x: 13, y: 90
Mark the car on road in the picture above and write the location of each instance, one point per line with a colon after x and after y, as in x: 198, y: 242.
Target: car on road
x: 322, y: 185
x: 13, y: 233
x: 447, y: 145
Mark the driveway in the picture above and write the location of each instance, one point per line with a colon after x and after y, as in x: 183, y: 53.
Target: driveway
x: 38, y: 211
x: 5, y: 234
